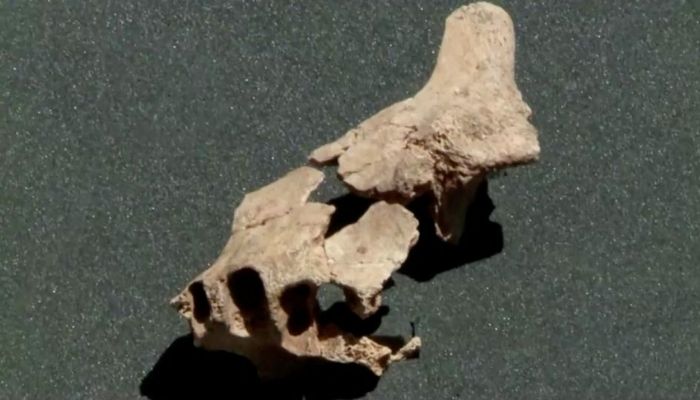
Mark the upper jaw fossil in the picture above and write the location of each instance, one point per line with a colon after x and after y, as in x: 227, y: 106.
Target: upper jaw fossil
x: 259, y: 298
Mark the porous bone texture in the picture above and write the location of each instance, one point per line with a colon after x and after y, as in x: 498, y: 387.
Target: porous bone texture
x: 259, y: 298
x: 468, y: 119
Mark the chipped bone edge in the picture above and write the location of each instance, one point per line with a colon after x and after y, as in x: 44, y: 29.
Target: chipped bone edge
x: 373, y: 355
x: 282, y: 201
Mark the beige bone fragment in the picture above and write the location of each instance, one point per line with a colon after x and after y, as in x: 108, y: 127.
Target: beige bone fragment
x: 259, y: 298
x: 469, y: 119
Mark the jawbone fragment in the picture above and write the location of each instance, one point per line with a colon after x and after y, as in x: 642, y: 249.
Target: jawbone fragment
x: 468, y: 120
x: 259, y: 298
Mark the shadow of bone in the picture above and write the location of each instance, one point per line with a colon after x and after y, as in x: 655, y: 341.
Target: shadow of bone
x: 299, y: 302
x: 247, y: 291
x: 341, y: 316
x: 482, y: 238
x: 185, y: 371
x: 348, y: 210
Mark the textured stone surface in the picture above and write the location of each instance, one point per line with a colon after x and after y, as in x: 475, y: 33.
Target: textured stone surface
x: 469, y: 119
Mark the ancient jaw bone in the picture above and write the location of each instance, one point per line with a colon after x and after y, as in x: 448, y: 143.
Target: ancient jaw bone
x: 467, y: 120
x: 259, y: 298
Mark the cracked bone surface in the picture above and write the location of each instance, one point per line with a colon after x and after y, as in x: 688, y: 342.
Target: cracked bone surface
x: 259, y: 298
x: 468, y: 119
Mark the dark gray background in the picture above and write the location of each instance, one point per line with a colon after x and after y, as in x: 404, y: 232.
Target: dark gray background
x: 129, y: 130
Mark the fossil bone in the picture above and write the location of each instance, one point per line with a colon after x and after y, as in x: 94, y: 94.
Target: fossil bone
x: 363, y: 255
x: 468, y: 120
x: 259, y: 298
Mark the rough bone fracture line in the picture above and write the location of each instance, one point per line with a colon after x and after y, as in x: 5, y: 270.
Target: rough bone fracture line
x: 259, y: 298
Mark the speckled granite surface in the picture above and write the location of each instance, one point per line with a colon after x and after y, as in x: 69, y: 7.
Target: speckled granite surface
x: 129, y: 130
